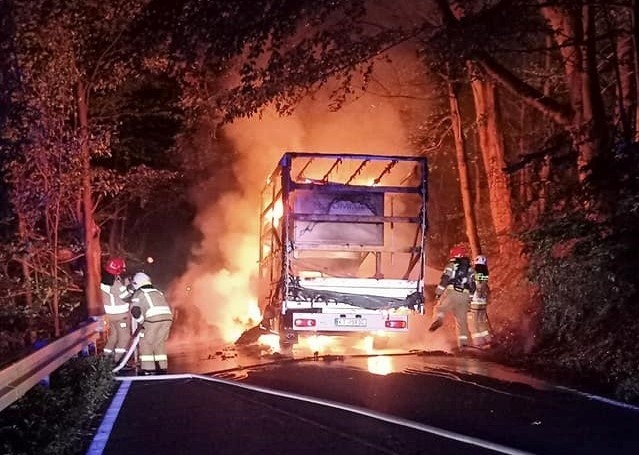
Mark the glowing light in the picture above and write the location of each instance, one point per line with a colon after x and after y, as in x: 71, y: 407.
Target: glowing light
x: 150, y: 260
x: 275, y: 213
x: 366, y: 344
x: 381, y: 365
x: 253, y: 310
x: 272, y: 341
x: 316, y: 343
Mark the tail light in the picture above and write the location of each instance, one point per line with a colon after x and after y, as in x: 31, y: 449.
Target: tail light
x: 304, y: 322
x: 395, y: 324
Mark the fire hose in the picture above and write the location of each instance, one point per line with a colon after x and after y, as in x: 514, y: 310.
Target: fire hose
x: 135, y: 339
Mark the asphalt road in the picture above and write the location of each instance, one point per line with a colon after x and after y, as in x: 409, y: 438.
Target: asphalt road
x: 394, y: 404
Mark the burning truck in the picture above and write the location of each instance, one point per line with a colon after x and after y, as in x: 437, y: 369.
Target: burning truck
x: 342, y: 244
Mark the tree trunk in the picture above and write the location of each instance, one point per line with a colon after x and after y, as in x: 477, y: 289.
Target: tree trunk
x: 574, y: 33
x: 635, y: 42
x: 462, y: 166
x: 491, y: 144
x: 26, y: 273
x: 91, y: 230
x: 625, y: 74
x: 55, y: 298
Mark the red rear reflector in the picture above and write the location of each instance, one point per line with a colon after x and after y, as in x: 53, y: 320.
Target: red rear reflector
x: 304, y: 322
x: 395, y: 324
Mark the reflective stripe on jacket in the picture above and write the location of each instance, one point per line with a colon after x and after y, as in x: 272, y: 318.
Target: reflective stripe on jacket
x: 112, y: 297
x: 459, y: 274
x: 153, y: 304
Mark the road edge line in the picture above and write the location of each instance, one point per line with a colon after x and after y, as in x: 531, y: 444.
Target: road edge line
x: 101, y: 437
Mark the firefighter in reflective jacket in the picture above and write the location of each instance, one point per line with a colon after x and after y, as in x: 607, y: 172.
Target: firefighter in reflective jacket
x: 453, y: 293
x: 478, y: 318
x: 116, y: 308
x: 149, y: 307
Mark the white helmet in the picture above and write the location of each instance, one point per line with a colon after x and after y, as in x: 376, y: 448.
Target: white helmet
x: 480, y: 260
x: 140, y: 279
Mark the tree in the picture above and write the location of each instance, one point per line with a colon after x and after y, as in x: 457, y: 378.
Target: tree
x: 67, y: 52
x: 462, y: 167
x: 573, y: 27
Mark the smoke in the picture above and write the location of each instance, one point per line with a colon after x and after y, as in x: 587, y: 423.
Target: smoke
x: 218, y: 288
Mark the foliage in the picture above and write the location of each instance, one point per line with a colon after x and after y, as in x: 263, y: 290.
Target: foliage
x: 57, y: 419
x: 283, y: 51
x: 161, y: 76
x: 14, y: 322
x: 22, y: 323
x: 585, y: 270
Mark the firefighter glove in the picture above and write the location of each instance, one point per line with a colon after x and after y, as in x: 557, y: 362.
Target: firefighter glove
x: 136, y: 312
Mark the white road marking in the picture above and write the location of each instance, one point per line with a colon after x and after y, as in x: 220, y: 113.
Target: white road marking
x: 102, y: 436
x: 344, y: 407
x: 598, y: 398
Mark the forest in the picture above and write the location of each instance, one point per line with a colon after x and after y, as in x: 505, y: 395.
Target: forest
x: 119, y: 126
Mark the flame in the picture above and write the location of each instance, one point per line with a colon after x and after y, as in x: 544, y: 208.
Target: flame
x: 274, y: 214
x: 366, y: 344
x: 216, y: 294
x: 271, y: 341
x: 380, y: 364
x: 317, y: 343
x: 247, y: 316
x: 219, y: 303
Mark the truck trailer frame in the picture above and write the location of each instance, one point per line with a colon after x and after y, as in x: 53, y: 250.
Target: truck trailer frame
x: 342, y: 243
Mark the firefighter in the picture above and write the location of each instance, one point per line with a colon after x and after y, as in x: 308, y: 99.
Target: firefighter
x: 478, y: 317
x: 116, y: 308
x: 453, y: 294
x: 150, y: 308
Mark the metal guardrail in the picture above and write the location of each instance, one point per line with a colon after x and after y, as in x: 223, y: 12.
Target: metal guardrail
x: 18, y: 378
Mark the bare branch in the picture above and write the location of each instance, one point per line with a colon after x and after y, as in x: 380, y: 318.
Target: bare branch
x: 560, y: 113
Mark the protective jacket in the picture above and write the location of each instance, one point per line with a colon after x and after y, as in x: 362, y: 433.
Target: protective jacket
x: 114, y: 296
x: 478, y: 317
x: 453, y: 293
x: 116, y: 309
x: 150, y: 307
x: 458, y: 275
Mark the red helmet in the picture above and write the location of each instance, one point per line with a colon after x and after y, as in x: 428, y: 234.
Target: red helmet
x: 458, y: 251
x: 115, y: 266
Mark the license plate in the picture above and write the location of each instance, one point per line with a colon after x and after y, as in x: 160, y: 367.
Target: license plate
x: 350, y: 322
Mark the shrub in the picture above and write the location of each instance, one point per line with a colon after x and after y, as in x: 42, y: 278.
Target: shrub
x: 57, y: 419
x: 586, y: 274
